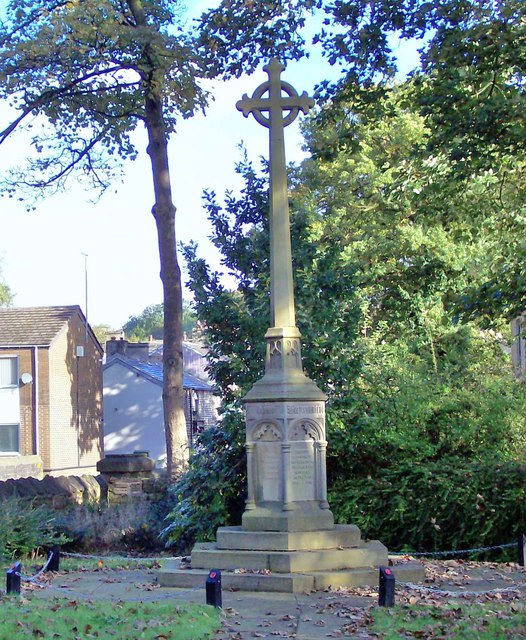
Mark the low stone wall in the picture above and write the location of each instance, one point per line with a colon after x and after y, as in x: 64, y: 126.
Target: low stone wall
x: 122, y: 477
x: 57, y: 492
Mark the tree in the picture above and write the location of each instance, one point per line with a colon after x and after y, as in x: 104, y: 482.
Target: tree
x: 472, y: 63
x: 471, y: 94
x: 102, y: 332
x: 384, y: 237
x: 150, y: 322
x: 6, y: 297
x: 79, y: 76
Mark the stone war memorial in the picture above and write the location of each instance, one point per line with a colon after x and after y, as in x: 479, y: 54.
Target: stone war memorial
x: 287, y: 540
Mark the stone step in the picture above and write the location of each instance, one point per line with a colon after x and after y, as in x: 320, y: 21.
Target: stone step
x: 194, y: 578
x: 367, y: 554
x: 171, y: 576
x: 236, y: 538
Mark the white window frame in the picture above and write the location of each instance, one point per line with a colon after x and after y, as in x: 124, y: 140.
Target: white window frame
x: 15, y: 452
x: 10, y: 404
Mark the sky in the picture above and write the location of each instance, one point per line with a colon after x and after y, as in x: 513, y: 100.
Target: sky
x: 48, y: 255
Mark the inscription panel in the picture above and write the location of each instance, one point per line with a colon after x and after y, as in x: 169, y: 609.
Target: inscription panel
x: 302, y: 471
x: 317, y: 409
x: 263, y: 410
x: 269, y: 468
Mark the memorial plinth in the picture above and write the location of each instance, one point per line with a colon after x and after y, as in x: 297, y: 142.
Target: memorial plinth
x: 288, y: 540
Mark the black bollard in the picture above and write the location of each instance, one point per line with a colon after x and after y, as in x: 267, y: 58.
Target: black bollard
x: 521, y: 548
x: 386, y: 595
x: 53, y: 559
x: 213, y: 588
x: 13, y: 578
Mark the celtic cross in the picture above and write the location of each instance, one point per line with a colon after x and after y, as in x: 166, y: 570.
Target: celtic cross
x: 282, y: 110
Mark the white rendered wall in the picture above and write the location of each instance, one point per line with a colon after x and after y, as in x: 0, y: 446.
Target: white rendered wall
x: 133, y: 413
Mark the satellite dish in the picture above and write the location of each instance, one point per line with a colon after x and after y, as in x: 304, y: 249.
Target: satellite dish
x: 26, y: 378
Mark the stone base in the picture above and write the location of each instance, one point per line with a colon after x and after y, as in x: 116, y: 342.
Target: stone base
x: 287, y: 561
x: 237, y: 538
x: 306, y: 516
x: 172, y: 576
x: 368, y: 554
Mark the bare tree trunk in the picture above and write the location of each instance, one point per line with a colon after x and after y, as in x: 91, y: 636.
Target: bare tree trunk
x: 164, y: 214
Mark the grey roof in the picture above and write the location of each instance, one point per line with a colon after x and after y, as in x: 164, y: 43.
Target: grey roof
x: 33, y: 325
x: 154, y: 372
x: 197, y: 347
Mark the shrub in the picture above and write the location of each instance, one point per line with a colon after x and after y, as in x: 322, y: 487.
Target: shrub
x: 431, y: 506
x: 212, y: 492
x: 25, y: 527
x: 120, y: 527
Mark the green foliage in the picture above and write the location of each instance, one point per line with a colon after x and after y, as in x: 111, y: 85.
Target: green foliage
x: 148, y: 323
x: 83, y: 67
x: 6, y: 297
x: 444, y: 505
x: 407, y: 225
x: 212, y: 492
x: 151, y: 323
x: 421, y: 400
x: 24, y: 527
x: 386, y: 241
x: 102, y: 332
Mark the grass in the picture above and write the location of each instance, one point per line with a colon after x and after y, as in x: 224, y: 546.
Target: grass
x: 488, y: 621
x: 68, y: 563
x: 68, y: 619
x: 31, y: 565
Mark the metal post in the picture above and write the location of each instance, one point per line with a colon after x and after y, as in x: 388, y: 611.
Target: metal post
x: 13, y: 578
x: 54, y: 559
x: 213, y: 588
x: 521, y: 548
x: 386, y: 595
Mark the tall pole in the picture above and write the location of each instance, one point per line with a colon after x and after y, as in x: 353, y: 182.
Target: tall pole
x: 86, y: 299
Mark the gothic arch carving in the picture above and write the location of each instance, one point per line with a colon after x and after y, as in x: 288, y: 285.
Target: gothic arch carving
x: 266, y: 431
x: 305, y: 429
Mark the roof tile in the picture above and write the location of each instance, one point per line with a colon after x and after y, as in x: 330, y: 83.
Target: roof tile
x: 33, y: 325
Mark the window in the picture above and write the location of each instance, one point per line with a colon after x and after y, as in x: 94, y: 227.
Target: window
x: 9, y: 438
x: 9, y: 406
x: 8, y: 372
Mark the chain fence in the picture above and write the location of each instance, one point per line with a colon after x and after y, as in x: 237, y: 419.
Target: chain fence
x: 517, y: 588
x: 453, y: 552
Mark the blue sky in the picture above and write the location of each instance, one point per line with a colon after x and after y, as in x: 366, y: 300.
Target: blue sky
x: 41, y: 252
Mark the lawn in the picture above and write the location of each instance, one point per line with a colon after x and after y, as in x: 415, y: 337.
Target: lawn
x: 470, y: 621
x: 22, y: 618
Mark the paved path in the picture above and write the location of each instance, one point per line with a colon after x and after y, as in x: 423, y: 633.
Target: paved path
x: 304, y: 616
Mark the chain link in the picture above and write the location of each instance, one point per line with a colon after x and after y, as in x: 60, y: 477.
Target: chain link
x: 456, y: 552
x: 445, y: 592
x: 126, y: 558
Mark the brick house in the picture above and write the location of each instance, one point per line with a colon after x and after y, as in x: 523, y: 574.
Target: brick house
x: 50, y: 393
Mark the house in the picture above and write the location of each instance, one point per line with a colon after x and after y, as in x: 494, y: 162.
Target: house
x: 50, y: 393
x: 133, y: 407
